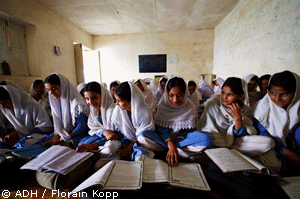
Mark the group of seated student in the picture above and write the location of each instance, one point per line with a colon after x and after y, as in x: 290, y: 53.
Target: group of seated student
x: 121, y: 123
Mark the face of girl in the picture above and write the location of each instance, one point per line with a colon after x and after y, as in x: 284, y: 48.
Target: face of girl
x: 141, y: 87
x: 252, y: 85
x: 163, y: 85
x: 176, y: 96
x: 192, y: 89
x: 228, y: 96
x: 123, y: 104
x: 280, y: 97
x: 39, y: 89
x: 264, y: 86
x: 112, y: 91
x: 7, y: 104
x: 54, y: 90
x: 93, y: 99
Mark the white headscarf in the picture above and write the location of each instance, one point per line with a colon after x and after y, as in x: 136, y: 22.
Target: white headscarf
x: 248, y: 79
x: 205, y: 89
x: 179, y: 117
x: 81, y: 86
x: 107, y: 108
x: 277, y: 120
x: 149, y: 97
x: 196, y: 96
x: 141, y: 115
x: 159, y: 92
x: 66, y: 109
x: 218, y: 88
x: 27, y: 113
x: 218, y: 122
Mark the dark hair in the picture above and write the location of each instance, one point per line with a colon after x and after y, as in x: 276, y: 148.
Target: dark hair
x: 213, y: 82
x: 285, y: 79
x: 192, y: 83
x: 138, y: 81
x: 3, y: 83
x: 235, y: 84
x: 123, y: 91
x: 113, y: 84
x: 37, y: 82
x: 52, y: 79
x: 163, y: 79
x: 92, y: 86
x: 254, y: 78
x: 267, y: 77
x: 176, y: 82
x: 4, y: 95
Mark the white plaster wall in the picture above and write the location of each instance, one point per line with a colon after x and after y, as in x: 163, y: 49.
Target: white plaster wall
x: 48, y: 30
x: 119, y: 54
x: 260, y: 37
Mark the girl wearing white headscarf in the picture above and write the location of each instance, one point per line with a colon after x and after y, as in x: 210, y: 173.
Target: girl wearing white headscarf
x: 227, y: 119
x: 160, y: 89
x: 176, y: 120
x: 149, y: 97
x: 40, y: 94
x: 102, y: 134
x: 69, y: 111
x: 276, y: 116
x: 194, y: 94
x: 23, y: 113
x: 252, y: 84
x: 133, y: 118
x: 218, y: 85
x: 206, y: 90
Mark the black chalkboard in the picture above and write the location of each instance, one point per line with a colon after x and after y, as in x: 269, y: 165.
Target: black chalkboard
x: 153, y: 63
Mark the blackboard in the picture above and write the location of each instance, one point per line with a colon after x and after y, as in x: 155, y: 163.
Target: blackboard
x: 153, y: 63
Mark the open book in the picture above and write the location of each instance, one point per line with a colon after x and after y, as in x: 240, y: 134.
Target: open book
x: 59, y: 159
x: 291, y: 186
x: 230, y: 160
x: 115, y: 175
x: 128, y: 175
x: 187, y: 175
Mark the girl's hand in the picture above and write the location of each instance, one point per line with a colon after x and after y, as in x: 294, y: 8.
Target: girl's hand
x: 11, y: 139
x: 110, y: 135
x: 54, y: 141
x: 235, y: 110
x: 86, y: 147
x: 172, y: 155
x: 127, y: 151
x: 292, y: 158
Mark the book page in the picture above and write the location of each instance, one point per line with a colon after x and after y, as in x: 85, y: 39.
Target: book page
x: 67, y: 162
x: 259, y: 166
x: 155, y: 170
x: 228, y: 161
x: 126, y: 175
x: 98, y: 178
x: 188, y: 175
x: 292, y: 188
x: 47, y: 156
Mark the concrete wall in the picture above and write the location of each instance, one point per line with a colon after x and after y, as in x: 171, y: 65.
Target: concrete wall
x: 119, y: 54
x: 258, y: 36
x: 47, y: 30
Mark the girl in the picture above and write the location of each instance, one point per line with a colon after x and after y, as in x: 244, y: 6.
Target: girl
x: 40, y: 94
x: 112, y: 87
x: 176, y: 120
x: 227, y: 119
x: 161, y: 88
x: 194, y: 95
x: 133, y: 118
x: 252, y: 82
x: 276, y: 116
x: 206, y: 90
x: 69, y: 112
x: 149, y: 97
x: 102, y: 134
x: 24, y: 114
x: 218, y: 85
